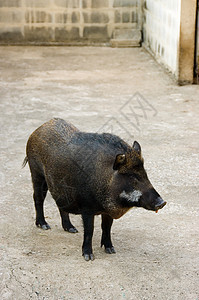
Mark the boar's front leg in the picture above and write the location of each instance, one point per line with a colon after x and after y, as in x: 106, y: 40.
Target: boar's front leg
x: 107, y: 222
x: 88, y: 222
x: 66, y: 223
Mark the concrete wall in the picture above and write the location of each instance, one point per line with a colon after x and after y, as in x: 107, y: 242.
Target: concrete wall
x: 65, y: 21
x: 169, y: 29
x: 187, y: 41
x: 161, y: 30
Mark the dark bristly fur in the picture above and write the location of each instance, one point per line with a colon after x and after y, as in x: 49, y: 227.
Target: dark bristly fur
x: 87, y: 174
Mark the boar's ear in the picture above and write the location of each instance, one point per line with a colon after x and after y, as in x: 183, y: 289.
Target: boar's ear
x: 137, y: 147
x: 119, y: 161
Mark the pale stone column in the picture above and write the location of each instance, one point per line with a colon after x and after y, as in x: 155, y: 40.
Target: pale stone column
x: 187, y: 41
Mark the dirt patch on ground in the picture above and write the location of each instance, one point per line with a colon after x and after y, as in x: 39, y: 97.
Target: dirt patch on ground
x: 100, y: 89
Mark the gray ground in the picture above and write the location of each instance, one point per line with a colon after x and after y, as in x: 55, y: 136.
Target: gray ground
x: 95, y: 88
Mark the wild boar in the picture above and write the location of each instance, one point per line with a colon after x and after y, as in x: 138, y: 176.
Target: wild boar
x: 87, y: 174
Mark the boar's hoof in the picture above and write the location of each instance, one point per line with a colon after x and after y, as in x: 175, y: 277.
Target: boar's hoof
x: 88, y: 257
x: 72, y: 230
x: 110, y: 250
x: 44, y: 226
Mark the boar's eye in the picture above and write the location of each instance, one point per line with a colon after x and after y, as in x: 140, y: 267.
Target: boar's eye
x: 135, y: 176
x: 138, y: 166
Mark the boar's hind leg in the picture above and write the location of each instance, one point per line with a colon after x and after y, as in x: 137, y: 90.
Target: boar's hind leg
x: 88, y: 221
x: 66, y: 223
x: 40, y: 191
x: 107, y: 222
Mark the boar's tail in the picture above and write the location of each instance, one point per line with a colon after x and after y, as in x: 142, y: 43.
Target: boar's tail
x: 25, y: 162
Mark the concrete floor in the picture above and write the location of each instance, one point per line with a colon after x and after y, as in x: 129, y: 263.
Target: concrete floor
x: 125, y: 92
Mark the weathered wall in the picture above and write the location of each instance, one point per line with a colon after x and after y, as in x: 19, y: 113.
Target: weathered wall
x: 65, y: 21
x: 187, y: 41
x: 161, y: 29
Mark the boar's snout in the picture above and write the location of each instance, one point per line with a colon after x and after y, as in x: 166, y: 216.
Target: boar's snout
x: 151, y: 200
x: 160, y: 203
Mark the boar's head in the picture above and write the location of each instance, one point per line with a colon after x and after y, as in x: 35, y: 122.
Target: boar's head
x: 133, y: 185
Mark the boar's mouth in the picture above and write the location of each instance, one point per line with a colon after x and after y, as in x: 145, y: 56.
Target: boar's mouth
x: 137, y: 199
x: 154, y: 208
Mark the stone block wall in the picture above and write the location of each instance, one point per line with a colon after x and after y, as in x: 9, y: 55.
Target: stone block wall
x: 66, y: 21
x: 161, y: 31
